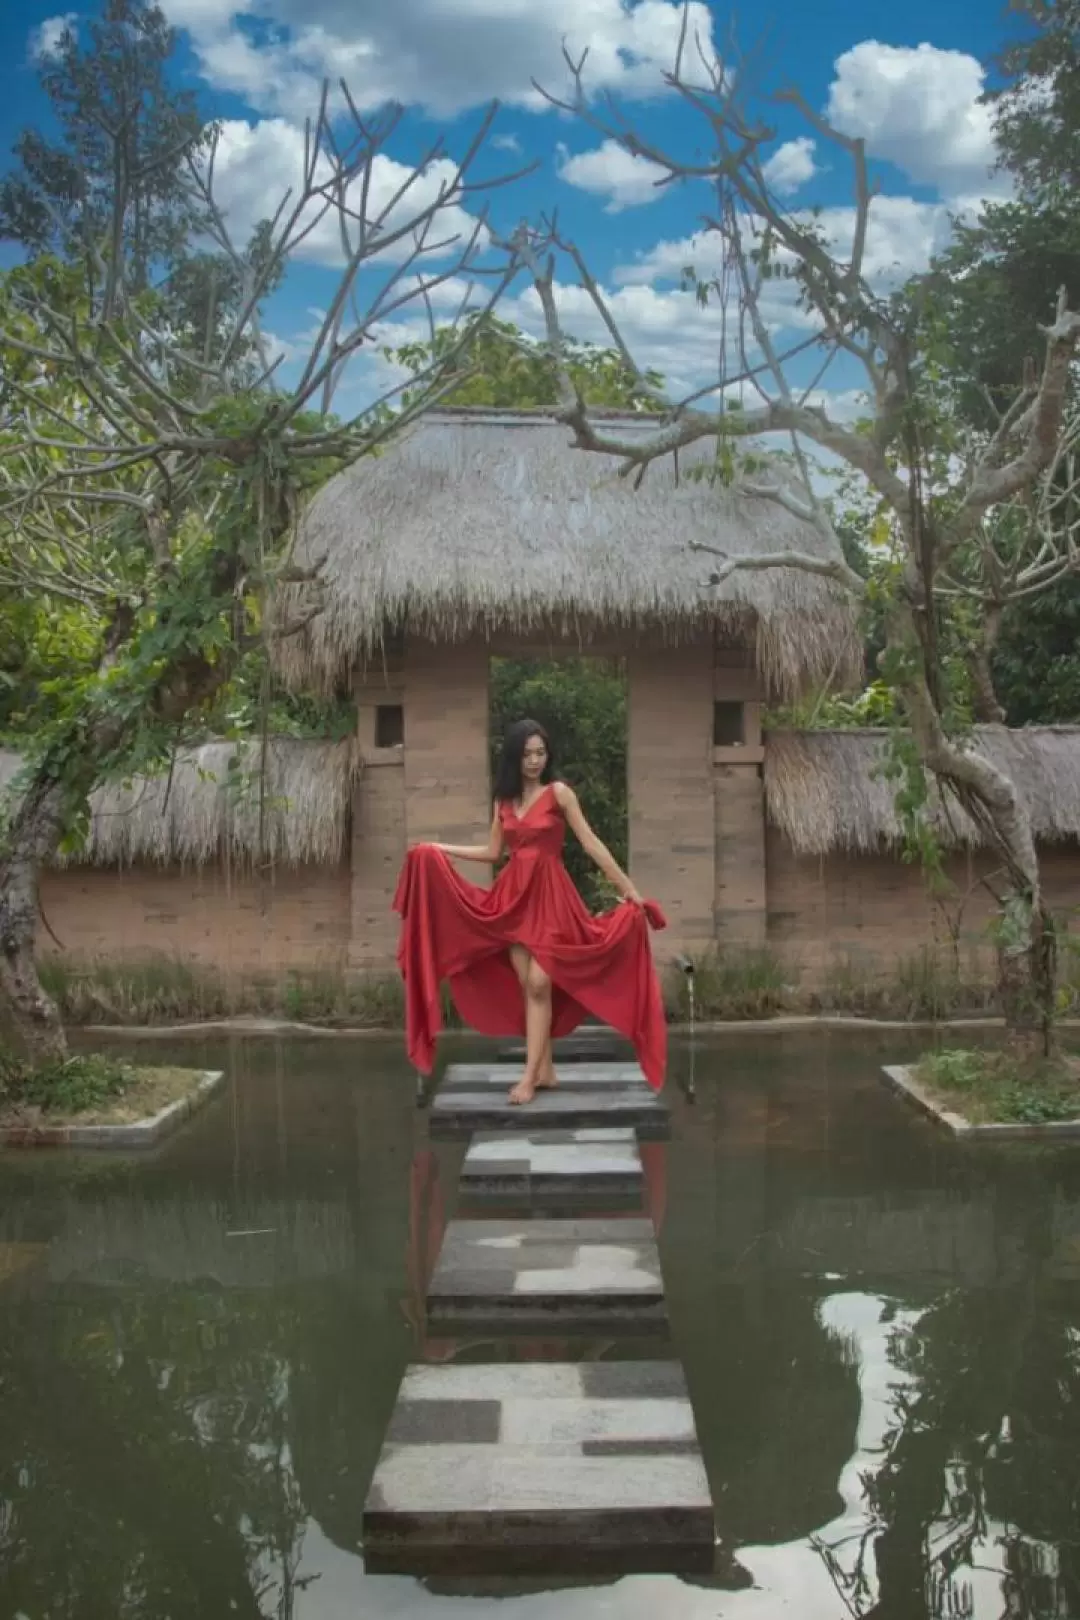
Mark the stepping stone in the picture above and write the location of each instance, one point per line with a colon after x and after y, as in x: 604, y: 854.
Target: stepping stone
x: 549, y: 1165
x: 521, y: 1467
x: 504, y: 1076
x: 464, y: 1105
x: 565, y: 1274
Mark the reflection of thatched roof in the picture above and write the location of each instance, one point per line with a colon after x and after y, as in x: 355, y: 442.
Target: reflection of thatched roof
x: 491, y: 519
x: 206, y: 812
x: 825, y: 789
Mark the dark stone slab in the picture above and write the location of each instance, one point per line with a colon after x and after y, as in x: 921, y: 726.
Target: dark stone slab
x: 553, y: 1272
x: 461, y: 1111
x: 611, y: 1483
x: 504, y: 1076
x: 553, y: 1166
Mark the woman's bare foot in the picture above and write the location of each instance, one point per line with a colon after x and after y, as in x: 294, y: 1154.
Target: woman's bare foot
x: 524, y: 1091
x: 548, y: 1078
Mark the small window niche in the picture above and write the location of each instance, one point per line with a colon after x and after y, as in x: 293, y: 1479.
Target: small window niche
x: 390, y: 725
x: 729, y: 724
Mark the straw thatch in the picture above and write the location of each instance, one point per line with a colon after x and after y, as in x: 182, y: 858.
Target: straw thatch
x: 825, y: 789
x: 208, y: 808
x: 483, y: 519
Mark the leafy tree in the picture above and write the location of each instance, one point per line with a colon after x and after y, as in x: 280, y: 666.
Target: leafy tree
x: 510, y: 371
x: 123, y: 180
x: 122, y: 125
x: 157, y: 490
x: 1037, y: 111
x: 976, y: 518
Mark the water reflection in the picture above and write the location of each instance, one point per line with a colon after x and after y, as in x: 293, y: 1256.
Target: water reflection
x: 199, y: 1353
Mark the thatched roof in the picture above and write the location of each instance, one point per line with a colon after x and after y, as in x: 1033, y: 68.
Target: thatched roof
x: 491, y: 519
x: 208, y: 809
x: 825, y: 789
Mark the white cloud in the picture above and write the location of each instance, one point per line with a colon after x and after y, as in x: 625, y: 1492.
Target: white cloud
x: 612, y: 172
x: 506, y: 143
x: 432, y: 54
x: 901, y: 237
x: 791, y: 165
x: 46, y: 38
x: 257, y: 163
x: 917, y: 107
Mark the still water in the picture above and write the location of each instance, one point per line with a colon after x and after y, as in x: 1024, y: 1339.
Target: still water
x: 200, y: 1349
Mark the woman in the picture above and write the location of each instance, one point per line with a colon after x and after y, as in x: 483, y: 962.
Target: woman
x: 525, y: 955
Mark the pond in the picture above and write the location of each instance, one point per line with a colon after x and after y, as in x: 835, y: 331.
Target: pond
x: 200, y: 1349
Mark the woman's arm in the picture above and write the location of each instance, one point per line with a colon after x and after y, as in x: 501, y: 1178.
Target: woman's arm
x: 594, y: 848
x: 488, y: 853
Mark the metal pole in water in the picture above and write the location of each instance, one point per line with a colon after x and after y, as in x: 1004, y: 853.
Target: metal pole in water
x: 687, y: 967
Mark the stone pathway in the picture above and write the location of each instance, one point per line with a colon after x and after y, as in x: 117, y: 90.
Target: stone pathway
x: 550, y: 1167
x: 579, y: 1274
x: 474, y: 1097
x: 551, y: 1466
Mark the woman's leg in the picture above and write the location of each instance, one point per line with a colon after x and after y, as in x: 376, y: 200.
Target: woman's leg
x: 520, y: 960
x: 539, y: 1068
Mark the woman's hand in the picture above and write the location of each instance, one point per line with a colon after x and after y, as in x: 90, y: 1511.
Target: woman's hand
x: 633, y: 898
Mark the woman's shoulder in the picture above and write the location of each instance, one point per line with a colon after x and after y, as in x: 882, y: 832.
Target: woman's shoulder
x: 562, y: 791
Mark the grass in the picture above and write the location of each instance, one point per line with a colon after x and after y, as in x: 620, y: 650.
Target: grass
x: 926, y: 986
x: 161, y: 991
x: 735, y: 984
x: 730, y: 984
x: 997, y: 1088
x: 91, y: 1089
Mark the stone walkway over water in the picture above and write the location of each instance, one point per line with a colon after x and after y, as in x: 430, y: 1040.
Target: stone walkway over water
x: 549, y: 1466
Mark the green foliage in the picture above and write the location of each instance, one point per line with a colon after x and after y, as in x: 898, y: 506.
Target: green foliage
x: 582, y: 704
x: 60, y: 194
x: 163, y: 990
x: 71, y: 1087
x: 925, y: 986
x: 996, y: 1087
x: 510, y: 371
x: 1037, y: 111
x: 1036, y: 661
x: 112, y: 74
x: 735, y: 983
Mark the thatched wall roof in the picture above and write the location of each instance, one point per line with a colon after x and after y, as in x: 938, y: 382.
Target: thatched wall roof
x: 483, y: 518
x: 825, y: 790
x: 206, y: 812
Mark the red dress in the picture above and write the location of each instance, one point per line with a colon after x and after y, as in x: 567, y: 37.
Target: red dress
x: 455, y: 930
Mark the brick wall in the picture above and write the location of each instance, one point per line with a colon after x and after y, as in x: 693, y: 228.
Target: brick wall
x: 378, y: 849
x: 300, y: 918
x: 672, y: 815
x: 871, y: 910
x: 447, y: 772
x: 740, y: 905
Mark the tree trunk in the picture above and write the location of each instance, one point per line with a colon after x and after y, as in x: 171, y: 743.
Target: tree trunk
x: 1027, y: 980
x: 1027, y: 962
x: 33, y: 1015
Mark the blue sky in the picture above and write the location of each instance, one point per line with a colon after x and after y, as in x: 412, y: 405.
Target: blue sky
x: 905, y: 77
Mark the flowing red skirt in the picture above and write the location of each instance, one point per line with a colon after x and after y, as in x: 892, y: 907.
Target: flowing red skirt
x: 455, y: 931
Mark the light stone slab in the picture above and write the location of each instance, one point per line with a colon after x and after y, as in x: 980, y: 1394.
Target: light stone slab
x: 573, y: 1273
x: 549, y: 1166
x: 589, y: 1465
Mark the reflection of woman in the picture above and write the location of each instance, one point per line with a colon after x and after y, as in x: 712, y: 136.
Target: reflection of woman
x: 525, y: 955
